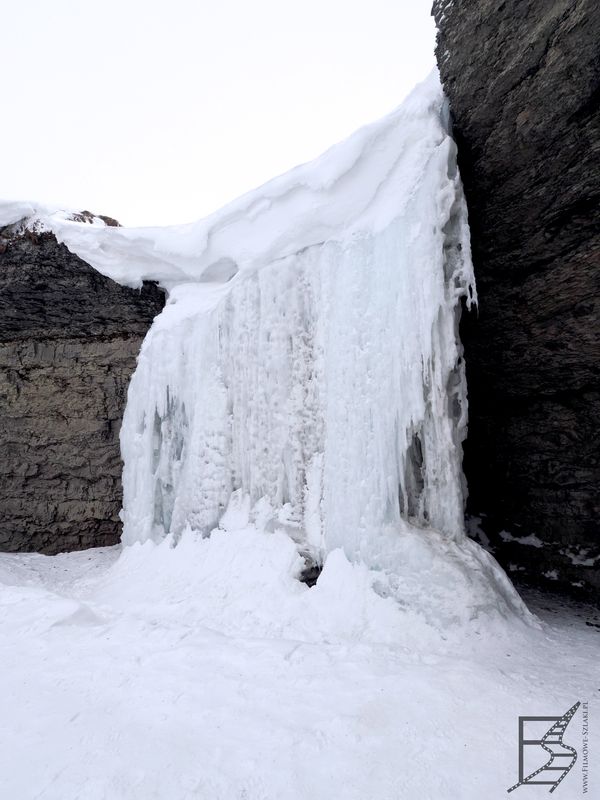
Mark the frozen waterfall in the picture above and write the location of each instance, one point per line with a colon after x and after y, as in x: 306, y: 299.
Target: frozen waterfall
x: 306, y: 376
x: 314, y: 365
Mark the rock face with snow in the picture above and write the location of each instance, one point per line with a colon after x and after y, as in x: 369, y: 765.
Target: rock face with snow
x: 69, y: 338
x: 523, y: 80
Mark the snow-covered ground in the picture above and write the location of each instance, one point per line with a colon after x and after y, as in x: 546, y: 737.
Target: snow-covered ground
x: 207, y: 671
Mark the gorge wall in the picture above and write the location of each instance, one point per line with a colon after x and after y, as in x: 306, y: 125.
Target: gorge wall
x: 523, y: 80
x: 69, y: 338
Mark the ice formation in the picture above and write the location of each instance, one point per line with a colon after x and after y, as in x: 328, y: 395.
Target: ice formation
x: 314, y: 365
x: 308, y: 356
x: 306, y: 374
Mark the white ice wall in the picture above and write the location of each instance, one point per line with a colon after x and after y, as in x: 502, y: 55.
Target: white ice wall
x: 325, y: 376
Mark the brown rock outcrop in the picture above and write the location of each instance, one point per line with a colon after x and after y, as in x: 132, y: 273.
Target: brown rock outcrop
x: 69, y: 338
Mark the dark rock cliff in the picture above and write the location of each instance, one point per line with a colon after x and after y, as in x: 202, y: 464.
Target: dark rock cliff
x: 523, y: 80
x: 69, y: 338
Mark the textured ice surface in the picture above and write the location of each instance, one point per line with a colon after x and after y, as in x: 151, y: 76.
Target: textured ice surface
x: 325, y: 375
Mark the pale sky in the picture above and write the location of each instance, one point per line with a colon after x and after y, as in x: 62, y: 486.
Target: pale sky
x: 157, y: 112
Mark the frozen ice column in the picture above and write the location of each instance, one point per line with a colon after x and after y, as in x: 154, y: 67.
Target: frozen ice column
x: 321, y: 370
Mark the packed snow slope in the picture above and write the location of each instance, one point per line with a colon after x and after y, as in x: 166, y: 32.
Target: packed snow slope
x: 209, y: 672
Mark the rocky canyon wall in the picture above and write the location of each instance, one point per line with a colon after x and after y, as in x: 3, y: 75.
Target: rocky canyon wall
x: 69, y: 338
x: 523, y: 80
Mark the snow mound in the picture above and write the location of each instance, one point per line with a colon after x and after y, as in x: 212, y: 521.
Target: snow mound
x: 243, y: 582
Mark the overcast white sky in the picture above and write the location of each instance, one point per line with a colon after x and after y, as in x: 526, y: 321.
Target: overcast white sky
x: 160, y: 111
